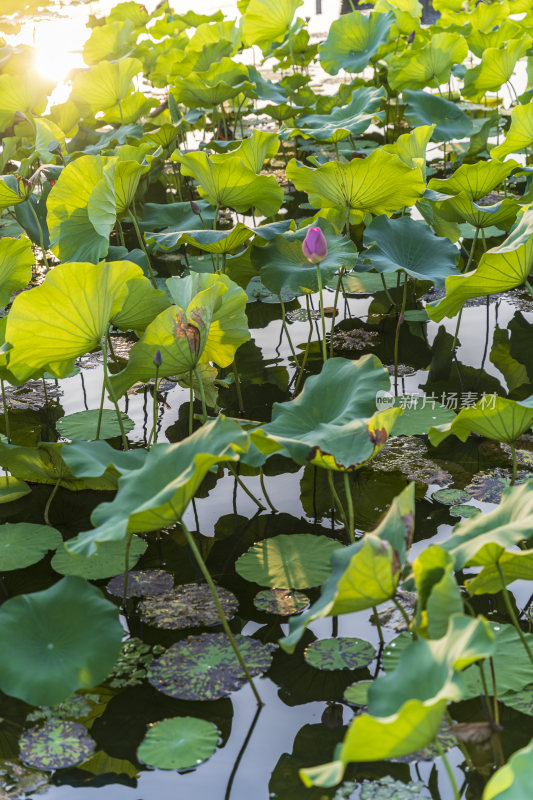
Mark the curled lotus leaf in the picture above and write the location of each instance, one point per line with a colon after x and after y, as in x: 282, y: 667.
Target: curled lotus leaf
x: 283, y: 602
x: 205, y: 667
x: 353, y: 40
x: 342, y: 652
x: 141, y: 583
x: 513, y: 780
x: 190, y: 605
x: 57, y: 744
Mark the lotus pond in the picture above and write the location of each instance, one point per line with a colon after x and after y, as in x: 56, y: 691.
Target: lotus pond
x: 267, y: 395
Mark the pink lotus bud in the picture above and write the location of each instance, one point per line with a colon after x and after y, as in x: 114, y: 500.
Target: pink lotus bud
x: 314, y: 246
x: 158, y: 359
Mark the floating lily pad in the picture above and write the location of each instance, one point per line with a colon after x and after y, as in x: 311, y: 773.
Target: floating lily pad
x: 357, y: 693
x: 187, y: 606
x: 206, y: 668
x: 108, y: 560
x: 389, y: 789
x: 178, y: 743
x: 12, y: 489
x: 141, y: 583
x: 55, y: 745
x: 341, y: 652
x: 84, y: 424
x: 464, y: 510
x: 295, y: 561
x: 450, y: 497
x: 489, y: 486
x: 23, y: 543
x: 283, y: 602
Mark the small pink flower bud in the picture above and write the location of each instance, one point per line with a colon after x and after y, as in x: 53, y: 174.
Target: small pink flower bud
x: 315, y: 246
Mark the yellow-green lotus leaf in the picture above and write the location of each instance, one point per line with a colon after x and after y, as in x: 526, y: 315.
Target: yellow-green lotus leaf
x: 106, y: 84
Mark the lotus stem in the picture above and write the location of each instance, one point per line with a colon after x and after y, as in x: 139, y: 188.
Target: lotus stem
x: 495, y: 706
x: 402, y: 611
x: 100, y: 410
x: 378, y: 625
x: 155, y: 408
x: 215, y: 219
x: 263, y: 487
x: 242, y: 751
x: 385, y: 289
x: 397, y: 336
x: 202, y: 393
x: 223, y: 619
x: 510, y: 611
x: 238, y: 385
x: 191, y: 403
x: 515, y: 463
x: 307, y: 346
x: 285, y: 328
x: 349, y: 503
x: 337, y: 292
x: 39, y: 228
x: 50, y: 498
x: 6, y: 410
x: 337, y: 501
x: 448, y: 769
x: 321, y: 294
x: 120, y: 233
x: 245, y: 488
x: 127, y: 568
x: 111, y: 393
x: 142, y: 244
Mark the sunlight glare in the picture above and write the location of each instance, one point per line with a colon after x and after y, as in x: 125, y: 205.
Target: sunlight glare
x: 58, y: 45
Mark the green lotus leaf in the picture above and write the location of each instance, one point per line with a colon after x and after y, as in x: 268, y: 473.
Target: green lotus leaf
x: 223, y: 81
x: 430, y: 63
x: 406, y: 13
x: 411, y: 147
x: 92, y: 459
x: 205, y: 667
x: 106, y: 84
x: 141, y: 583
x: 424, y: 108
x: 178, y: 216
x: 209, y: 241
x: 284, y: 268
x: 513, y: 780
x: 283, y: 602
x: 349, y: 120
x: 9, y: 192
x: 520, y: 134
x: 379, y: 184
x: 353, y: 40
x: 500, y: 268
x: 24, y: 543
x: 66, y: 316
x: 109, y: 42
x: 514, y: 565
x: 365, y: 573
x: 143, y: 302
x: 127, y: 177
x: 157, y: 494
x: 230, y: 183
x: 108, y: 561
x: 69, y: 630
x: 265, y: 22
x: 450, y: 497
x: 25, y: 91
x: 480, y: 40
x: 129, y: 110
x: 83, y: 424
x: 502, y: 420
x: 438, y: 594
x: 410, y: 246
x: 496, y: 68
x: 253, y: 151
x: 208, y: 323
x: 505, y: 526
x: 288, y: 561
x: 475, y: 180
x: 82, y: 210
x: 418, y: 420
x: 189, y: 605
x: 57, y: 744
x: 16, y: 261
x: 500, y: 215
x: 332, y: 423
x: 342, y: 652
x: 178, y: 743
x: 12, y: 489
x: 48, y: 133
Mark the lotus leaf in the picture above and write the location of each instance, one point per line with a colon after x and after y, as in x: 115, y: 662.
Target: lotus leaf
x: 504, y: 421
x: 24, y: 543
x: 288, y: 561
x: 178, y: 743
x: 93, y: 459
x: 514, y: 566
x: 83, y: 425
x: 424, y: 108
x: 349, y: 120
x: 9, y: 191
x: 411, y: 147
x: 109, y: 560
x: 56, y: 745
x: 157, y: 494
x: 222, y: 81
x: 513, y: 780
x: 520, y: 134
x: 253, y: 151
x: 66, y: 316
x: 189, y: 605
x: 109, y: 42
x: 106, y: 84
x: 265, y: 22
x: 342, y: 652
x: 69, y: 630
x: 463, y: 510
x: 285, y: 269
x: 178, y: 216
x: 428, y: 64
x: 418, y: 420
x: 378, y: 184
x: 141, y: 583
x: 332, y: 422
x: 450, y: 497
x: 353, y: 40
x: 496, y: 68
x: 231, y: 183
x: 205, y: 667
x: 210, y: 241
x: 12, y: 489
x: 438, y: 594
x: 283, y: 602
